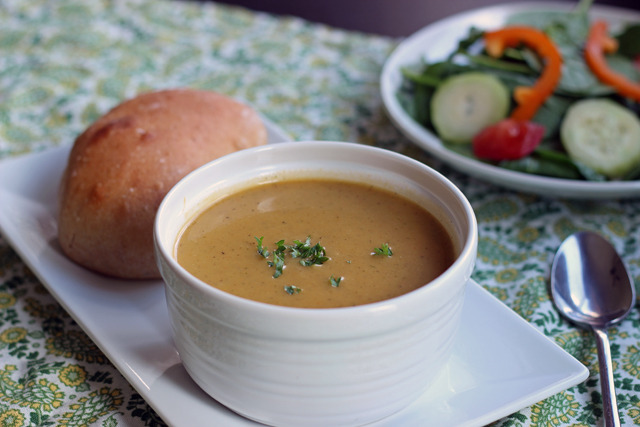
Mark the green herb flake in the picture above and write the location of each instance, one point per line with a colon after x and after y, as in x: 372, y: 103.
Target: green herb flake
x: 335, y: 282
x: 292, y: 290
x: 300, y: 249
x: 278, y: 263
x: 280, y: 247
x: 261, y: 249
x: 311, y: 255
x: 384, y: 250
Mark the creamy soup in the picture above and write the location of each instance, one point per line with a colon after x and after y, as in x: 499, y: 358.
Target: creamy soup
x: 377, y: 244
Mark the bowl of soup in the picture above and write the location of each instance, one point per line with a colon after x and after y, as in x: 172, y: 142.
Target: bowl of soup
x: 315, y: 283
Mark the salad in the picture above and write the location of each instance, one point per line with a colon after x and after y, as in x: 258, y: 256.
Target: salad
x: 551, y: 93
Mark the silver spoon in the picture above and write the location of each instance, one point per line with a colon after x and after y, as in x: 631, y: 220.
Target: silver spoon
x: 591, y: 287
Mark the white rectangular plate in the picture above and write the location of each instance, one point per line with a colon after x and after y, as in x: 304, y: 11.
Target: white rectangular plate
x: 499, y: 365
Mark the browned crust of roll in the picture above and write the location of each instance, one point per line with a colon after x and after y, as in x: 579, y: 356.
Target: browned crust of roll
x: 123, y: 165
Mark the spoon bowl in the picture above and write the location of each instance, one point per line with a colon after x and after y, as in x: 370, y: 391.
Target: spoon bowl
x: 590, y: 284
x: 592, y: 288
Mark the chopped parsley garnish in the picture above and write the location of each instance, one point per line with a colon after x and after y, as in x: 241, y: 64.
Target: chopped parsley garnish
x: 292, y: 290
x: 310, y: 255
x: 281, y: 247
x: 261, y: 249
x: 316, y: 255
x: 278, y: 263
x: 335, y: 282
x: 299, y: 249
x: 384, y: 250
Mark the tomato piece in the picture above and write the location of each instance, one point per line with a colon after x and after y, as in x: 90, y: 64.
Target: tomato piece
x: 508, y: 140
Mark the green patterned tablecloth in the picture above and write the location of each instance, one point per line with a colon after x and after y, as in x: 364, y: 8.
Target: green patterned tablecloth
x: 64, y: 63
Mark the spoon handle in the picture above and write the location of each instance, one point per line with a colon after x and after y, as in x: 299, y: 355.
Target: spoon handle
x: 609, y: 402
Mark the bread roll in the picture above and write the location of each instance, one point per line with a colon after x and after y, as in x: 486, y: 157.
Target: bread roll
x: 122, y: 166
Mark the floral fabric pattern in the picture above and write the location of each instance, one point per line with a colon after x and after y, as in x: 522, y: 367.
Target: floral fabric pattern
x: 64, y: 63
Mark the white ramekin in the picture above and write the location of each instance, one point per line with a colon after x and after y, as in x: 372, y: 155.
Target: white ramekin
x: 287, y: 366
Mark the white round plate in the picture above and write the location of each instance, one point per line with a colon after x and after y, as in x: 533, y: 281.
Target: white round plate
x: 435, y: 42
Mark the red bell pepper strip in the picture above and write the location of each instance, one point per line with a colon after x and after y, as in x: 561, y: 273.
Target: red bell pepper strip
x: 598, y: 43
x: 529, y: 99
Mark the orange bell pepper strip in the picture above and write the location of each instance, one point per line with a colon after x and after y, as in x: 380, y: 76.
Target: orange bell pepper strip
x: 528, y: 98
x: 598, y: 44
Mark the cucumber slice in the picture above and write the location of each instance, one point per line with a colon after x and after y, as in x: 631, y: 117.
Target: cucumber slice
x: 603, y: 135
x: 466, y: 103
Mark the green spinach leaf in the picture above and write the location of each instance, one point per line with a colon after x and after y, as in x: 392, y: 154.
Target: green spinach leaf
x: 629, y: 41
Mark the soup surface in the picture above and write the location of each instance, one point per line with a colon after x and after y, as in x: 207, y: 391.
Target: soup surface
x: 220, y: 246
